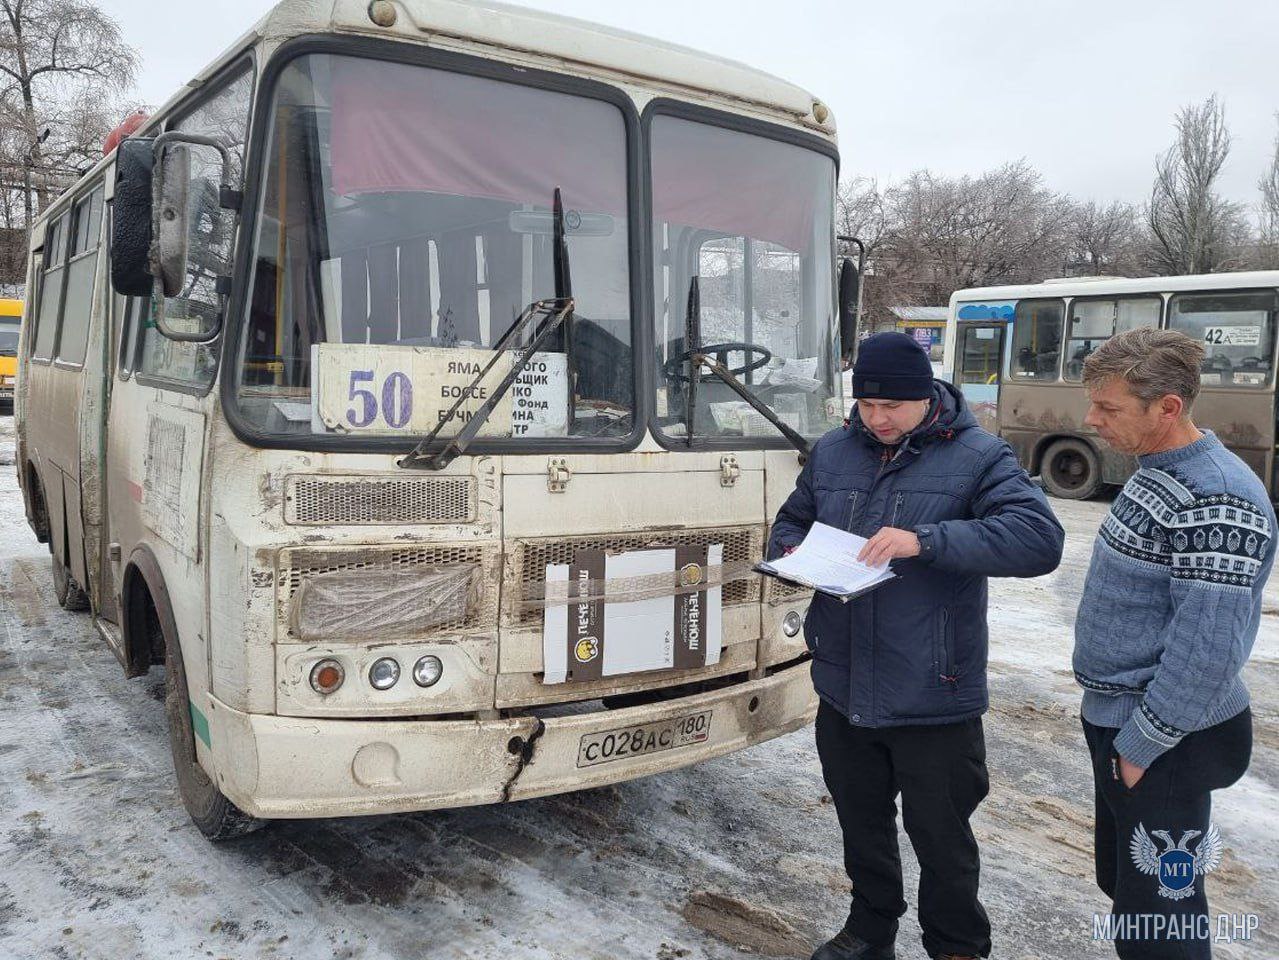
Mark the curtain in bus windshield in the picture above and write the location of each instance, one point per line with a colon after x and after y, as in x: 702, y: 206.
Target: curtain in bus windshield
x: 409, y: 208
x: 720, y: 183
x: 463, y: 136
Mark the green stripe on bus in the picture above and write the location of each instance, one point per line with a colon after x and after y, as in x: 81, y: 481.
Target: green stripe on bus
x: 200, y: 724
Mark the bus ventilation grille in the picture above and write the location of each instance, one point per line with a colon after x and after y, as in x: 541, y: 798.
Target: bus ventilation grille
x: 374, y: 500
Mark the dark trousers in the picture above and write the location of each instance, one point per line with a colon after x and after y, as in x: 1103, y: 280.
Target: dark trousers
x: 1170, y: 805
x: 940, y: 772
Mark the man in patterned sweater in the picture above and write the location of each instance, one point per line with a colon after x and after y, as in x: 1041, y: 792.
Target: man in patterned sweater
x: 1168, y: 617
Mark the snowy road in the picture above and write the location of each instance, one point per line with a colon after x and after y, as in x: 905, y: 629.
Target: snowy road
x: 739, y: 857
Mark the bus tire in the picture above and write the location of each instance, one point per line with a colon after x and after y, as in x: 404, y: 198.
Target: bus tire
x: 1071, y: 470
x: 70, y: 595
x: 210, y: 810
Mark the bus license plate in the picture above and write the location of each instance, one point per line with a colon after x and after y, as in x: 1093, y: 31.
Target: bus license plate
x: 626, y: 742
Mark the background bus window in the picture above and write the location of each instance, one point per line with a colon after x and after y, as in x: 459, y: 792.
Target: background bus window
x: 1237, y: 331
x: 979, y: 356
x: 50, y: 290
x: 1037, y: 331
x: 86, y: 227
x: 1093, y: 322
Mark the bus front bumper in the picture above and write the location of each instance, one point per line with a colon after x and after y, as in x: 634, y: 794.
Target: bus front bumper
x: 288, y: 767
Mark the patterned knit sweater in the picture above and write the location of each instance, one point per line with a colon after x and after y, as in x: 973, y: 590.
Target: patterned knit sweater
x: 1173, y: 598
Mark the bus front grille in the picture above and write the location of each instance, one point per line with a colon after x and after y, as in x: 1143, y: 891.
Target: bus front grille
x: 311, y: 500
x: 296, y: 564
x: 526, y: 561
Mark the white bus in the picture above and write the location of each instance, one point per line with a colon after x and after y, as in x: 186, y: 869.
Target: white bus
x: 1017, y: 353
x: 417, y: 386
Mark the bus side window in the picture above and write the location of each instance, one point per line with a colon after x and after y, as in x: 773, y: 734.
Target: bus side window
x: 46, y: 334
x: 1093, y: 322
x: 1237, y: 330
x: 1037, y: 331
x: 129, y: 310
x: 224, y: 115
x: 86, y: 226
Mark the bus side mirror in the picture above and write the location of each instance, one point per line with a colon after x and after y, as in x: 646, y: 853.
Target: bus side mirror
x: 849, y: 286
x: 131, y: 218
x: 191, y: 229
x: 171, y: 219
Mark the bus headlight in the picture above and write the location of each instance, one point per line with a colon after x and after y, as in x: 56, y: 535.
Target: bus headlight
x: 427, y: 671
x: 384, y: 673
x: 327, y: 676
x: 792, y: 623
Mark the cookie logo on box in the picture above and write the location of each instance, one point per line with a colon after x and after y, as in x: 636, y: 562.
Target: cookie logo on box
x: 690, y: 574
x: 586, y: 649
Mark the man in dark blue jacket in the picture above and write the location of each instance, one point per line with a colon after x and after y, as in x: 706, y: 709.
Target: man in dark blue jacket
x: 901, y: 671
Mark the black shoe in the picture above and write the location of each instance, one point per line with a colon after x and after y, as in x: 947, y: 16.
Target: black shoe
x: 844, y: 946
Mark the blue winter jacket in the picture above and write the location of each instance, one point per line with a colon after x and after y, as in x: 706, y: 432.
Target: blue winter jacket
x: 914, y: 650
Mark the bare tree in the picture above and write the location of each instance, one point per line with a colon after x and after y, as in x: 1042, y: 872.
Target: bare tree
x: 1105, y: 240
x: 1268, y: 239
x: 859, y: 211
x: 1193, y: 229
x: 1003, y: 226
x: 63, y: 63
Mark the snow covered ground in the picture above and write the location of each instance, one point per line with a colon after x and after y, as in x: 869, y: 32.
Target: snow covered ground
x: 739, y: 857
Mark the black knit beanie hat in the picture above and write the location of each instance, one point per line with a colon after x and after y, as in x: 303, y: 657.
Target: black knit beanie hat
x: 892, y: 366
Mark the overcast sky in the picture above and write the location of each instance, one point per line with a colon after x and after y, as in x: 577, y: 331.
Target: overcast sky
x: 1084, y: 90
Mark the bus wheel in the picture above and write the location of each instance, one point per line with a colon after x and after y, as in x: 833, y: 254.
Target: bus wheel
x: 215, y: 815
x: 65, y: 588
x: 1070, y: 470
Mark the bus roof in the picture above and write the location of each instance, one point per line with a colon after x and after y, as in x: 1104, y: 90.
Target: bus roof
x: 10, y: 308
x: 1101, y: 286
x: 539, y: 39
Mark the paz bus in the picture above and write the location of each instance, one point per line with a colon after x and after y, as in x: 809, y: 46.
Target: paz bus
x: 416, y: 386
x: 10, y: 328
x: 1017, y: 353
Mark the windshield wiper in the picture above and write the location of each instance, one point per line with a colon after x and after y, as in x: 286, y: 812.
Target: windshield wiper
x: 764, y: 410
x: 556, y: 311
x: 696, y: 360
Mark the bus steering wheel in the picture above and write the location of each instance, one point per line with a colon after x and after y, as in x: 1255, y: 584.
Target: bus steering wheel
x: 676, y: 368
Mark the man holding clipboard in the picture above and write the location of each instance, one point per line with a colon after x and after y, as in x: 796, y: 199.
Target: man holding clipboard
x: 901, y: 670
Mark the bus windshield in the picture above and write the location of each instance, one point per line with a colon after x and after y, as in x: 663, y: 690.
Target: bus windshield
x: 751, y: 219
x: 405, y: 223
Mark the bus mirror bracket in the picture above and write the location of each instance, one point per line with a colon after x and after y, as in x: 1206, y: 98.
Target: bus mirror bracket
x: 850, y: 297
x: 171, y: 224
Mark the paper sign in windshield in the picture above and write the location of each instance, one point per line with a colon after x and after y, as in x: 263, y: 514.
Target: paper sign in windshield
x: 375, y: 389
x: 1233, y: 336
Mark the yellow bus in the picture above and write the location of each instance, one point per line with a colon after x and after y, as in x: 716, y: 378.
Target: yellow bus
x: 417, y: 386
x: 10, y: 327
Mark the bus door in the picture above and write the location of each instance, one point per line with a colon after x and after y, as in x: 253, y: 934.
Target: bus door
x: 979, y: 364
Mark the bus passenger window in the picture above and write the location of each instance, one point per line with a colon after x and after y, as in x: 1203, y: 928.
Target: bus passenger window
x: 86, y: 229
x: 1093, y: 322
x: 1037, y: 330
x: 50, y: 290
x: 1237, y: 331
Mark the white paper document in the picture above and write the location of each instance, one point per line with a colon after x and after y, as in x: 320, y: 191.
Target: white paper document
x: 827, y: 562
